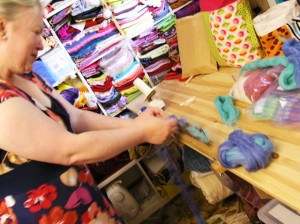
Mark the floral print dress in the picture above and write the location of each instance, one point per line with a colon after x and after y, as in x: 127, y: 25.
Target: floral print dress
x: 37, y: 192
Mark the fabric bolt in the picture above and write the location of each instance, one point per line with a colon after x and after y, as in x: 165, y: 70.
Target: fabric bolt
x: 157, y: 64
x: 89, y: 49
x: 124, y: 7
x: 108, y: 45
x: 156, y: 52
x: 129, y: 83
x: 65, y: 20
x: 159, y: 14
x: 144, y: 49
x: 71, y: 95
x: 131, y: 69
x: 117, y: 107
x: 169, y: 34
x: 148, y: 61
x: 101, y: 87
x: 72, y: 49
x: 25, y: 189
x: 89, y: 14
x: 83, y: 6
x: 145, y: 37
x: 67, y: 33
x: 145, y: 16
x: 166, y: 23
x: 60, y: 16
x: 133, y: 95
x: 112, y: 101
x: 159, y: 68
x: 157, y: 10
x: 90, y: 70
x: 131, y: 19
x: 130, y: 13
x: 129, y: 77
x: 104, y: 97
x: 99, y: 80
x: 87, y: 31
x: 140, y: 27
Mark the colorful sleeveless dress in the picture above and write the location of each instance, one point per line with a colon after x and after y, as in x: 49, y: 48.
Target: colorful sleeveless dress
x: 37, y: 192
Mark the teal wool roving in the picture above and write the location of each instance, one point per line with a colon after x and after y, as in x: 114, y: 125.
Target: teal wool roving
x: 228, y: 112
x: 192, y: 130
x: 251, y: 151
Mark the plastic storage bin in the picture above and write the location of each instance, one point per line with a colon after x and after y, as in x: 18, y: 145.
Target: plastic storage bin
x: 274, y: 212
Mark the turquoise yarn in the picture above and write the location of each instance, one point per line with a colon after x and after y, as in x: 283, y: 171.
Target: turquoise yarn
x: 192, y: 130
x: 286, y: 79
x: 228, y: 112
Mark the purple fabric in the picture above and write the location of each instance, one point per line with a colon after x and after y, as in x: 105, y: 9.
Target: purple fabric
x: 188, y: 10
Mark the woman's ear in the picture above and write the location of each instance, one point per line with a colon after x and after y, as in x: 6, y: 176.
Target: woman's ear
x: 3, y: 27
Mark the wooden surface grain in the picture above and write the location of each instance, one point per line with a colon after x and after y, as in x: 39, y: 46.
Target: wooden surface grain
x: 281, y: 179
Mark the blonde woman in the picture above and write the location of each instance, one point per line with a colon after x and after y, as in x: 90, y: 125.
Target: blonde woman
x: 45, y: 141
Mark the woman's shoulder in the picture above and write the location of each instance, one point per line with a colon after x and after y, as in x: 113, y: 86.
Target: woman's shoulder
x: 39, y: 81
x: 8, y: 91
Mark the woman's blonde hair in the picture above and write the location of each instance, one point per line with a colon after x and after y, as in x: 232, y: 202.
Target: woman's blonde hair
x: 9, y: 8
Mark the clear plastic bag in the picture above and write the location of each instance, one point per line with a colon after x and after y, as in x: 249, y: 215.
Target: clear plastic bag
x: 119, y: 53
x: 251, y: 84
x: 276, y: 104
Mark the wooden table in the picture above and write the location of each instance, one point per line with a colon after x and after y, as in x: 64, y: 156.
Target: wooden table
x: 281, y: 179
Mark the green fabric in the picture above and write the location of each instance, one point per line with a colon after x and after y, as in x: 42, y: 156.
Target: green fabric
x: 228, y: 112
x: 244, y: 10
x: 211, y: 42
x: 166, y: 24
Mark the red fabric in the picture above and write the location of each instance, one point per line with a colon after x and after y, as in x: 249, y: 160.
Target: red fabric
x: 211, y: 5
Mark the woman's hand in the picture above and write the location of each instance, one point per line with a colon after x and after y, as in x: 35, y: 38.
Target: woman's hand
x: 156, y: 125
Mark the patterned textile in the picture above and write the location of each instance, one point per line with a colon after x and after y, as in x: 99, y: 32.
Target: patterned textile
x: 234, y: 39
x: 37, y: 192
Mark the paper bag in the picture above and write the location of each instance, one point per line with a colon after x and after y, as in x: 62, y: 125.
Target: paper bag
x: 195, y: 55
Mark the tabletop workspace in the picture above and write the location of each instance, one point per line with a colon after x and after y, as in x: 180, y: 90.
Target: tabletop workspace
x: 281, y: 178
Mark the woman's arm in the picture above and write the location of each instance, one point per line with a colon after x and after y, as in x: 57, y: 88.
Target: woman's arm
x: 32, y: 134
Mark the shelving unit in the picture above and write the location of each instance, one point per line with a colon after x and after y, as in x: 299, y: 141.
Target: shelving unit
x: 103, y: 45
x: 136, y: 180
